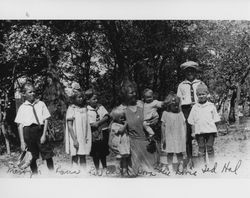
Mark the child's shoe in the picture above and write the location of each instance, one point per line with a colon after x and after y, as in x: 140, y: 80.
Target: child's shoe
x: 180, y: 167
x: 190, y: 164
x: 164, y: 168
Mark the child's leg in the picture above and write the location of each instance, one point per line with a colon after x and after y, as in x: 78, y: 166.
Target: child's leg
x: 148, y: 128
x: 210, y: 146
x: 180, y: 161
x: 75, y: 160
x: 50, y: 164
x: 179, y: 157
x: 96, y: 161
x: 202, y: 147
x: 170, y: 157
x: 122, y: 165
x: 104, y: 161
x: 82, y: 161
x: 33, y: 166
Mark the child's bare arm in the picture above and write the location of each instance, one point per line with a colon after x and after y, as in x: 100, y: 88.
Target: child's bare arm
x: 123, y: 128
x: 163, y: 135
x: 20, y: 130
x: 43, y: 138
x: 102, y: 121
x: 71, y: 132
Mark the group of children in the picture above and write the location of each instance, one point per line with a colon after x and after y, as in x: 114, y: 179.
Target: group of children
x: 91, y: 130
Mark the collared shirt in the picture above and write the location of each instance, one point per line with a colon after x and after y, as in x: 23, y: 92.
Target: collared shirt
x: 25, y: 114
x: 204, y: 117
x: 96, y: 114
x: 184, y: 91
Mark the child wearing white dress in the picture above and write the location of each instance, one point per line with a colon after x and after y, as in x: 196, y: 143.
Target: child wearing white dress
x: 203, y: 117
x: 150, y: 107
x: 78, y: 132
x: 119, y: 139
x: 173, y: 132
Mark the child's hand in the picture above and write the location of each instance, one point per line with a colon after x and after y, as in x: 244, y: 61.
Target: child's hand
x: 23, y: 145
x: 76, y: 144
x: 43, y: 139
x: 95, y: 125
x: 164, y: 145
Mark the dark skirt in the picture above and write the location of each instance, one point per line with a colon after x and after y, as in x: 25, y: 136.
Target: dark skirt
x: 100, y: 147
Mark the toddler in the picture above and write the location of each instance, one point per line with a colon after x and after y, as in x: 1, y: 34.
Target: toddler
x: 150, y: 107
x: 119, y: 139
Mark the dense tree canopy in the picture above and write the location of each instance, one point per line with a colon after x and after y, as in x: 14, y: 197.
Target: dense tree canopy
x: 101, y: 54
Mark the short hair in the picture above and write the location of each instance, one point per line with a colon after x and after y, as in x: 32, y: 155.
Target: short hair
x: 202, y: 88
x: 116, y: 113
x: 25, y: 85
x: 90, y: 93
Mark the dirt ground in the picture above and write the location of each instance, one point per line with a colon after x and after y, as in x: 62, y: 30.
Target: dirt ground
x: 232, y: 160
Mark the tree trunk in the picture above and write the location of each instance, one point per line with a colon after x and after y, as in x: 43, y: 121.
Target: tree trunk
x: 237, y: 121
x: 114, y: 38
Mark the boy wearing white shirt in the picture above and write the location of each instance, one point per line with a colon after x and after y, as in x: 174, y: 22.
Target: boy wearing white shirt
x: 32, y: 123
x: 187, y: 93
x: 203, y: 117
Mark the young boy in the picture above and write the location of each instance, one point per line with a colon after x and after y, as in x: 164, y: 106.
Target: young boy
x: 32, y: 123
x: 150, y: 110
x: 204, y: 116
x: 187, y: 92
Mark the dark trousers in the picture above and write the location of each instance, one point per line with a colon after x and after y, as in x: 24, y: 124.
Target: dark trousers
x: 32, y: 135
x: 206, y: 144
x: 186, y: 111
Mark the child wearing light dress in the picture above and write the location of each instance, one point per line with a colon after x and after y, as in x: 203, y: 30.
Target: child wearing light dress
x: 78, y: 132
x: 173, y: 132
x: 150, y: 107
x: 119, y: 139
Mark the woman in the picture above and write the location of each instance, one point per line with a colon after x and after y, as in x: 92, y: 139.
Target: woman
x: 141, y: 159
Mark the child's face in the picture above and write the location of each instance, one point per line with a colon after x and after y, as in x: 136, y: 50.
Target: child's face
x: 202, y: 97
x: 80, y: 100
x: 93, y: 101
x: 30, y: 94
x: 122, y: 118
x: 174, y: 107
x: 148, y: 97
x: 190, y: 74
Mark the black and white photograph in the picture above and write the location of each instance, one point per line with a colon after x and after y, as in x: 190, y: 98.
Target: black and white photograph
x: 124, y: 98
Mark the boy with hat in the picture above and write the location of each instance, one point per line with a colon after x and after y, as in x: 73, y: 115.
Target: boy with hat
x: 203, y: 117
x: 187, y: 93
x: 32, y: 119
